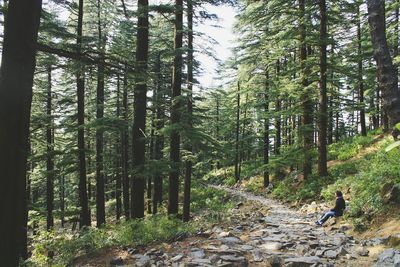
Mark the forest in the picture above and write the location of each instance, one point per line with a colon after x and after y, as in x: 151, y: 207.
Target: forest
x: 113, y: 153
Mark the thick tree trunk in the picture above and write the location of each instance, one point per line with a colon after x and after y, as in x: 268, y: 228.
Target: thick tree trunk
x: 386, y: 72
x: 139, y: 121
x: 49, y: 156
x: 323, y: 102
x: 188, y: 163
x: 360, y: 77
x: 16, y: 79
x: 266, y: 130
x: 80, y: 80
x: 176, y: 105
x: 100, y: 201
x: 237, y: 169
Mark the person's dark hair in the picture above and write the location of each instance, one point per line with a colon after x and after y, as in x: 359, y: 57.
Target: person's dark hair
x: 339, y: 194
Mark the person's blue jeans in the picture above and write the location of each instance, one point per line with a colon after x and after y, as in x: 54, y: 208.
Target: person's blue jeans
x: 326, y: 216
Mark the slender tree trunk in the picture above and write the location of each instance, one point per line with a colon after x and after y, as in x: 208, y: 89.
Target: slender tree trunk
x: 360, y: 77
x: 159, y: 142
x: 266, y: 130
x: 139, y: 123
x: 386, y: 72
x: 188, y: 163
x: 125, y: 154
x: 62, y: 199
x: 16, y: 79
x: 49, y: 156
x: 307, y: 105
x: 118, y: 178
x: 80, y: 79
x: 100, y: 201
x: 175, y: 111
x: 278, y: 108
x: 323, y: 103
x: 237, y: 171
x: 217, y: 129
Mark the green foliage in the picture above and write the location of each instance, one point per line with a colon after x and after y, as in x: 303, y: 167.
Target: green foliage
x: 363, y: 180
x: 213, y: 199
x: 309, y: 189
x: 348, y: 147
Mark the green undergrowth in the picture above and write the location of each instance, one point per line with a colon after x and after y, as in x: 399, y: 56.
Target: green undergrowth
x: 209, y: 206
x: 361, y: 169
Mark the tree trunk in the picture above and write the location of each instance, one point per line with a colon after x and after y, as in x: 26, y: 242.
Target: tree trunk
x: 323, y: 102
x: 360, y: 77
x: 266, y: 130
x: 173, y: 192
x: 159, y: 140
x: 139, y: 121
x: 125, y: 154
x: 237, y: 171
x: 100, y: 202
x: 386, y: 72
x: 16, y: 79
x: 278, y: 107
x: 80, y: 80
x: 118, y: 178
x: 307, y: 105
x: 49, y: 157
x: 188, y: 163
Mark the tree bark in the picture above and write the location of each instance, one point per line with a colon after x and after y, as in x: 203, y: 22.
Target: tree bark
x: 266, y: 130
x: 278, y: 108
x: 80, y: 79
x: 188, y: 163
x: 323, y: 101
x: 100, y: 201
x: 125, y: 154
x: 118, y: 178
x: 49, y: 156
x: 237, y: 170
x: 386, y: 71
x: 176, y: 105
x: 16, y: 80
x: 159, y: 140
x: 307, y: 105
x: 139, y: 121
x: 360, y: 77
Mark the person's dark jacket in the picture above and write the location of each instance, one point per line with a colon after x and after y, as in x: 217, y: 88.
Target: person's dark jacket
x: 339, y: 206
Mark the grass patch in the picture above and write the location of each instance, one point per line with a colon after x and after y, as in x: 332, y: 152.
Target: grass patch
x: 209, y: 203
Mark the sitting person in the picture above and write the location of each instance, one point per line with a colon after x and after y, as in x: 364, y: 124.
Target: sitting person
x: 336, y: 211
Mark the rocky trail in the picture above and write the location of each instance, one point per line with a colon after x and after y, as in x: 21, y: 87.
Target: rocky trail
x: 263, y: 232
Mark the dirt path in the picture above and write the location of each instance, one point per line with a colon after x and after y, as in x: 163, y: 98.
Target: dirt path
x: 258, y: 232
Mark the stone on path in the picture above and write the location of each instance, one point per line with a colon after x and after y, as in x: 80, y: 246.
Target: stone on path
x: 302, y: 261
x: 388, y: 258
x: 117, y: 261
x: 257, y: 256
x: 362, y: 251
x: 143, y: 261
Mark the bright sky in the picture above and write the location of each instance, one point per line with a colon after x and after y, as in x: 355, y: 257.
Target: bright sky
x: 223, y: 35
x: 221, y: 31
